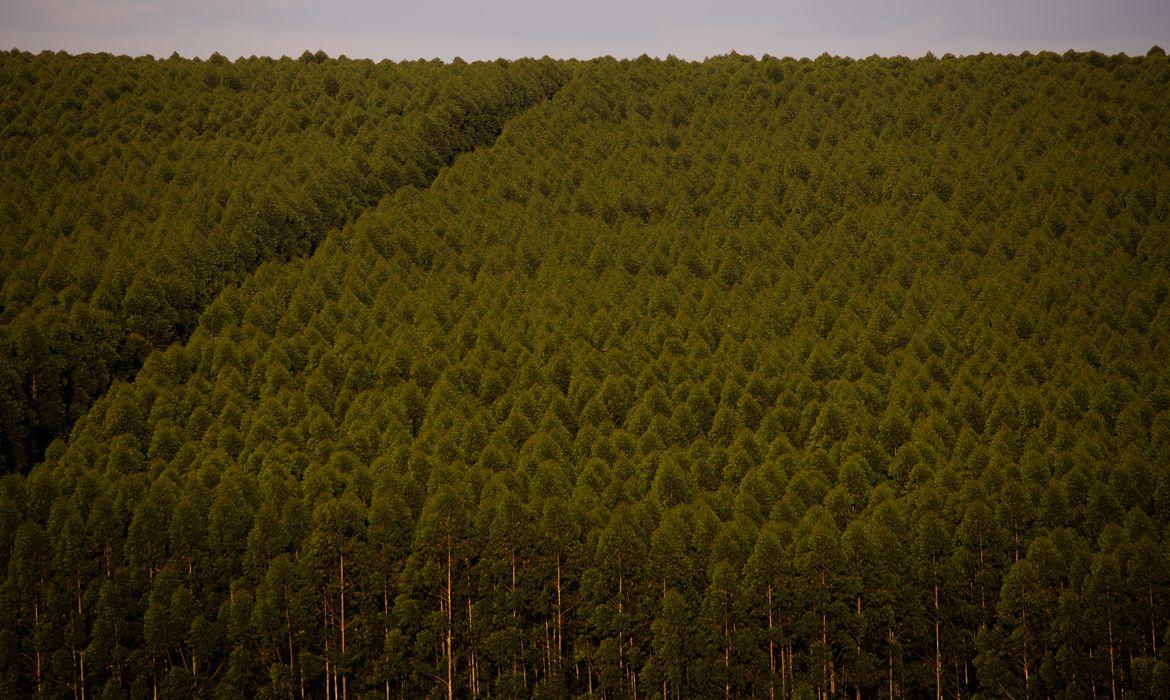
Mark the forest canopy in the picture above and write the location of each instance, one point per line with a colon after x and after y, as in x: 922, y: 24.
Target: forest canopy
x: 133, y: 190
x: 735, y: 378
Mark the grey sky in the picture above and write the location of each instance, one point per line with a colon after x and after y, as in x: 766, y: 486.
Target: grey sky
x: 512, y: 28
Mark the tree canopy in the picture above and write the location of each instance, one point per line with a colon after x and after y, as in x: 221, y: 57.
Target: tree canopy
x: 133, y: 190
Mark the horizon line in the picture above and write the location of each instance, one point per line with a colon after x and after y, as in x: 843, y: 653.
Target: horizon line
x: 1153, y: 51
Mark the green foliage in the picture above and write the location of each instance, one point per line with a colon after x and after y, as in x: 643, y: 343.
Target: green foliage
x: 134, y: 190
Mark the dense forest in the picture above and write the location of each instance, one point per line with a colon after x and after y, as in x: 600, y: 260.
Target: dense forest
x: 133, y: 190
x: 747, y: 377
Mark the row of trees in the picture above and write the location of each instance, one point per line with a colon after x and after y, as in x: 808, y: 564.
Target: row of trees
x: 751, y: 378
x: 527, y: 589
x: 135, y: 189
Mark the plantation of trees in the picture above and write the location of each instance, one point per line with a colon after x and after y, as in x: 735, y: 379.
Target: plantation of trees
x: 742, y: 378
x: 134, y: 190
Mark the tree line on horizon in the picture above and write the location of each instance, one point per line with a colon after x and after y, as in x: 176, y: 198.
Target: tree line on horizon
x: 741, y: 378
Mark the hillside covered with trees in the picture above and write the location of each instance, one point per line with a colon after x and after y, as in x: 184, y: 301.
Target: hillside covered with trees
x: 737, y: 378
x: 133, y: 190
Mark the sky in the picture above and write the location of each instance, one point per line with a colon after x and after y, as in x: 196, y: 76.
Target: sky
x: 487, y: 29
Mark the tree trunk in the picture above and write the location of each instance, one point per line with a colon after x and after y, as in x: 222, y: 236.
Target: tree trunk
x: 1153, y: 625
x: 472, y: 667
x: 726, y: 658
x: 516, y: 619
x: 890, y: 659
x: 548, y: 644
x: 621, y: 636
x: 291, y: 653
x: 341, y: 566
x: 857, y: 681
x: 1027, y: 677
x: 825, y: 651
x: 386, y: 629
x: 36, y: 644
x: 771, y: 650
x: 783, y: 673
x: 325, y: 645
x: 1112, y: 672
x: 832, y: 676
x: 937, y: 650
x: 81, y: 652
x: 450, y: 629
x: 560, y: 620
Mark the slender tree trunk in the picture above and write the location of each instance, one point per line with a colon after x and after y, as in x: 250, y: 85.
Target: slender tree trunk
x: 325, y: 645
x: 516, y: 620
x: 81, y: 652
x: 890, y: 659
x: 726, y: 658
x: 291, y: 653
x: 828, y: 681
x: 450, y: 629
x: 784, y: 664
x: 341, y: 565
x: 1153, y: 625
x: 548, y: 644
x: 832, y: 676
x: 857, y: 681
x: 386, y: 629
x: 783, y: 672
x: 472, y: 667
x: 621, y: 636
x: 771, y: 650
x: 1027, y: 677
x: 560, y: 620
x: 825, y: 651
x: 36, y: 634
x: 937, y: 650
x: 1112, y: 672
